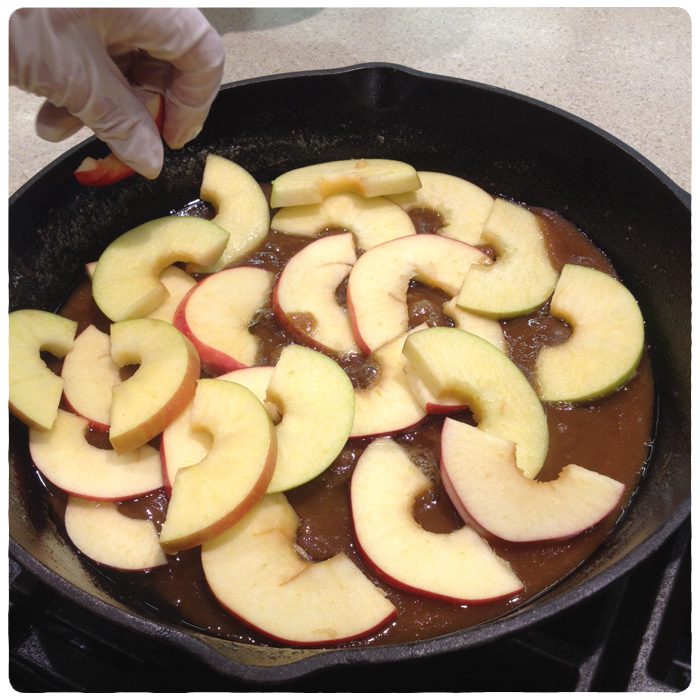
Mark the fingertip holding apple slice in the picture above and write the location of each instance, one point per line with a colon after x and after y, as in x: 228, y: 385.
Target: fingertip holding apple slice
x: 607, y: 340
x: 388, y: 405
x: 487, y: 488
x: 458, y: 566
x: 110, y: 538
x: 35, y: 391
x: 316, y: 400
x: 241, y: 209
x: 182, y: 444
x: 256, y: 571
x: 379, y: 281
x: 463, y: 206
x: 65, y: 457
x: 522, y: 277
x: 210, y: 496
x: 89, y: 375
x: 371, y: 221
x: 367, y: 177
x: 101, y: 172
x: 304, y: 297
x: 216, y: 315
x: 126, y: 282
x: 457, y: 364
x: 162, y: 386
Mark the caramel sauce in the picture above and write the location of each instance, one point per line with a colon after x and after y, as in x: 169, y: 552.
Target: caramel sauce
x: 611, y: 435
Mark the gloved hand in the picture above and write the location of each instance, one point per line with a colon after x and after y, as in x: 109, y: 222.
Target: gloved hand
x: 86, y: 62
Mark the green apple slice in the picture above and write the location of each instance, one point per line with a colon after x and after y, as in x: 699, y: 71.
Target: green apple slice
x: 522, y: 277
x: 606, y: 343
x: 457, y: 364
x: 368, y: 177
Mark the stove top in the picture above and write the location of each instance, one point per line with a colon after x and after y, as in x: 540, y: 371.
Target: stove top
x: 633, y: 636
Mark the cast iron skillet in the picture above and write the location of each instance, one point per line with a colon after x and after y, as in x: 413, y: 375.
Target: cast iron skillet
x: 509, y: 145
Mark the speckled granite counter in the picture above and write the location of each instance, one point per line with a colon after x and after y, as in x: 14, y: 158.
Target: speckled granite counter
x: 626, y: 70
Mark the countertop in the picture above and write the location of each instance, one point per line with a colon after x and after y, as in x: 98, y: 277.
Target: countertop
x: 626, y: 70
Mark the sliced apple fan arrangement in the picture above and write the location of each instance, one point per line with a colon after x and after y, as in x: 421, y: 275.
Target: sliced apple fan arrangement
x: 234, y: 437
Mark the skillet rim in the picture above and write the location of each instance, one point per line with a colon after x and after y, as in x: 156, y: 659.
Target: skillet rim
x: 316, y: 659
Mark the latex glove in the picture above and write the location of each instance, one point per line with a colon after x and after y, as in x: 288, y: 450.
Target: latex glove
x: 87, y: 61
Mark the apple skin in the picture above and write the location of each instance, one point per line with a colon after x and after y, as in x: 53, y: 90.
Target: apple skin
x: 168, y: 373
x: 109, y: 170
x: 101, y: 533
x: 212, y: 495
x: 216, y: 313
x: 482, y: 480
x: 34, y: 390
x: 459, y: 566
x: 278, y: 591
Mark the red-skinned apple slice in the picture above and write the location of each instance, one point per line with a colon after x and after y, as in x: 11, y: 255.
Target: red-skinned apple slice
x: 372, y: 221
x: 463, y: 206
x: 241, y: 209
x: 487, y: 488
x: 210, y: 496
x: 457, y: 566
x: 110, y: 538
x: 606, y: 343
x: 100, y: 172
x: 89, y: 375
x: 367, y: 177
x: 317, y: 404
x: 182, y: 444
x: 388, y: 405
x: 257, y: 573
x: 379, y: 280
x: 65, y: 457
x: 454, y: 363
x: 304, y: 297
x: 126, y: 282
x: 216, y: 314
x: 162, y: 386
x: 522, y: 277
x: 34, y: 390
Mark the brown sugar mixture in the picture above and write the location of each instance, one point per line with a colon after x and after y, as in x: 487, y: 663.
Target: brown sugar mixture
x: 611, y: 435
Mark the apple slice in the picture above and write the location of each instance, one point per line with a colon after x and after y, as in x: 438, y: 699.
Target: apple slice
x: 110, y: 538
x: 372, y: 221
x: 463, y: 206
x: 317, y: 404
x: 379, y: 281
x: 304, y: 298
x: 388, y: 405
x: 163, y: 385
x: 177, y: 283
x: 457, y: 566
x: 606, y: 343
x: 182, y: 444
x: 257, y: 573
x: 522, y: 277
x: 368, y: 177
x: 487, y: 488
x: 105, y: 171
x: 126, y: 282
x: 65, y: 457
x: 210, y: 496
x: 89, y: 375
x: 216, y: 314
x: 241, y: 209
x: 458, y: 364
x: 34, y: 390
